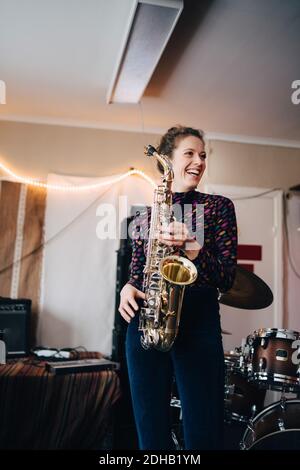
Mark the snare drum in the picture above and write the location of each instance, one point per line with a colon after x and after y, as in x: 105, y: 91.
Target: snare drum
x: 271, y: 360
x: 276, y: 427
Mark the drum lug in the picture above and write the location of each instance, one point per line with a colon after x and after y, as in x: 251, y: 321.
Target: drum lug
x: 242, y: 445
x: 282, y: 405
x: 230, y: 389
x: 250, y: 358
x: 253, y: 412
x: 281, y: 425
x: 262, y: 364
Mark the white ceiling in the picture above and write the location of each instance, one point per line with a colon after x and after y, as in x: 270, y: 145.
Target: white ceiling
x: 228, y: 67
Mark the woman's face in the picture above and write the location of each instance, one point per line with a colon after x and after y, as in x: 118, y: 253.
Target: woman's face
x: 188, y: 163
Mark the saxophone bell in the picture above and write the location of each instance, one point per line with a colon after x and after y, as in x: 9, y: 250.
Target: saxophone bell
x: 178, y: 270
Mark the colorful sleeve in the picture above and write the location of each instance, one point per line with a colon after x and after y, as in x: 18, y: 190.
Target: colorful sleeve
x: 138, y: 258
x: 216, y: 266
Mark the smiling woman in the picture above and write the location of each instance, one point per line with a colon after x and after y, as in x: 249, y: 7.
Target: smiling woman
x: 185, y: 148
x: 187, y: 156
x: 196, y: 359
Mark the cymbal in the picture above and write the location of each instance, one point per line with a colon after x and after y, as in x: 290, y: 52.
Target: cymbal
x: 248, y: 291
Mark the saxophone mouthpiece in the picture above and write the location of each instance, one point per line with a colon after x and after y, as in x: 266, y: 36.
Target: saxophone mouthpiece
x: 150, y: 150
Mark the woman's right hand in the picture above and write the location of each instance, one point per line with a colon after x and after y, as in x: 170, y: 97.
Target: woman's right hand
x: 128, y: 305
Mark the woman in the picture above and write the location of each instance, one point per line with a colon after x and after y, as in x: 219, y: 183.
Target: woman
x: 196, y: 358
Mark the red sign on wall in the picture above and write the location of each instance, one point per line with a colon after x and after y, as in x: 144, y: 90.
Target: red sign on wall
x: 249, y: 252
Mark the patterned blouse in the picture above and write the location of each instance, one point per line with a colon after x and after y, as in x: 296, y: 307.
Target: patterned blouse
x: 216, y: 261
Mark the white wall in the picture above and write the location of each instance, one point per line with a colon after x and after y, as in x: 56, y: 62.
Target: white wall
x: 36, y: 149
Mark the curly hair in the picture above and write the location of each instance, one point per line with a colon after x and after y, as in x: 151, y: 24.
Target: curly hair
x: 170, y: 139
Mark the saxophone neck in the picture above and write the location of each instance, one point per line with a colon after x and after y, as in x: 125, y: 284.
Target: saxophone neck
x: 164, y: 160
x: 168, y: 174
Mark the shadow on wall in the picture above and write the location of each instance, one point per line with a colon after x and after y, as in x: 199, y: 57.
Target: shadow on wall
x: 62, y: 332
x: 191, y: 18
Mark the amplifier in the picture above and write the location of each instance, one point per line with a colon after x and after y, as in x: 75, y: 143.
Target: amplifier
x: 15, y: 326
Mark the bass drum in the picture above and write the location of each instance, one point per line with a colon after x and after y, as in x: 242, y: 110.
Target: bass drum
x: 277, y: 427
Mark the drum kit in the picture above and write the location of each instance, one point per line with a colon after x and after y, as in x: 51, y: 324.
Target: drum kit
x: 269, y: 359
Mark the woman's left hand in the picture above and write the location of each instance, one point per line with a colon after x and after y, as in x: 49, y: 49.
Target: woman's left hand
x: 177, y: 235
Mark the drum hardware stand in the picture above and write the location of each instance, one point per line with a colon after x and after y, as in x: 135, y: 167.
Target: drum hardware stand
x: 250, y: 422
x: 176, y: 442
x: 250, y: 426
x: 281, y: 424
x: 242, y: 445
x: 298, y: 373
x: 229, y: 392
x: 176, y: 403
x: 283, y: 400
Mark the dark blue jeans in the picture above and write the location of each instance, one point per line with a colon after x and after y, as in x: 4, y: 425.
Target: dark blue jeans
x: 197, y: 362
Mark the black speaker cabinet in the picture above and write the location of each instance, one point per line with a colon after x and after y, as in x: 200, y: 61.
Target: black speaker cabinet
x: 125, y: 436
x: 15, y: 326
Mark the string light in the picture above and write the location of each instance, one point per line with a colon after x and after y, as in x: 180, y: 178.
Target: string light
x: 58, y: 187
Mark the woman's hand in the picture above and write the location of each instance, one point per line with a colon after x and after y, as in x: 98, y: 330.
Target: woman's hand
x: 128, y: 305
x: 177, y: 235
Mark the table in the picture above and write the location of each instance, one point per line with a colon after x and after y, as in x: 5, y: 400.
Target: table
x: 41, y: 410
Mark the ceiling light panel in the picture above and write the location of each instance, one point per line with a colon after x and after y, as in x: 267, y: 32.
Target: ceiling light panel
x: 150, y: 26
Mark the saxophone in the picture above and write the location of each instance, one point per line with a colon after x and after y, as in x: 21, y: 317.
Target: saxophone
x: 165, y: 274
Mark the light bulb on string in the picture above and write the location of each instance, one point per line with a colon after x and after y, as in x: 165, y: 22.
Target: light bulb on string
x: 73, y: 188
